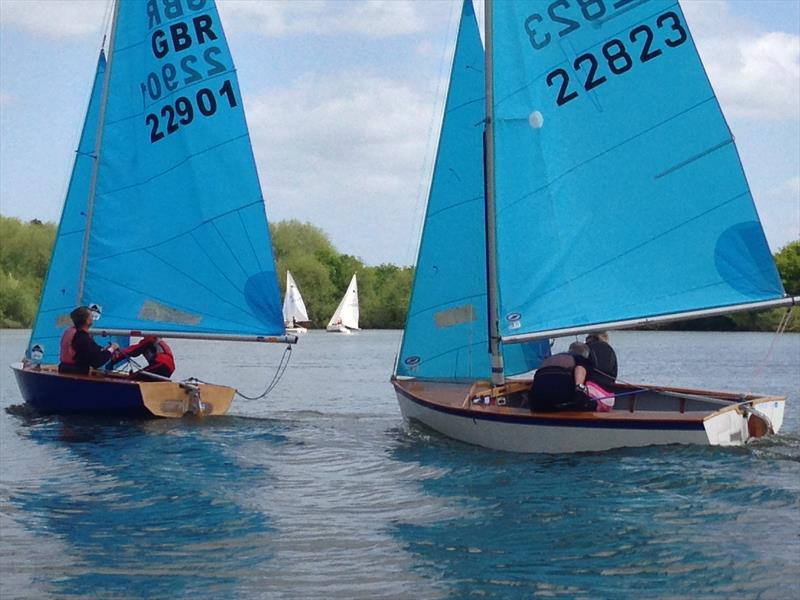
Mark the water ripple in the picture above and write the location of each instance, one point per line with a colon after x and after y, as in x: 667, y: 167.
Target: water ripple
x: 323, y: 492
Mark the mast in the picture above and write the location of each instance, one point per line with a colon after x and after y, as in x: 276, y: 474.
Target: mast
x: 98, y: 143
x: 498, y: 376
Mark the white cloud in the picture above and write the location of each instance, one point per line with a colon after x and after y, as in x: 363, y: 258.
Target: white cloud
x: 374, y: 18
x: 55, y: 18
x: 755, y: 73
x: 345, y: 152
x: 779, y: 209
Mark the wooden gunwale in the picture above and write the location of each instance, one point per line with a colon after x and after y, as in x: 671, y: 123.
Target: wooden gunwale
x: 94, y: 375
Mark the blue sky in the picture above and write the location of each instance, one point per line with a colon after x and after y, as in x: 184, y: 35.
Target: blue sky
x: 344, y: 100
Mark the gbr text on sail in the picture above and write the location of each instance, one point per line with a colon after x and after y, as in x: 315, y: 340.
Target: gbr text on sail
x: 192, y: 78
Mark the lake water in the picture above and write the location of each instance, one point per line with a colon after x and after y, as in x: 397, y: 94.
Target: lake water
x: 321, y: 491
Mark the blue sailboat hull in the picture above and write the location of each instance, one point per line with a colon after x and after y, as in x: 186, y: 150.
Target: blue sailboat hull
x: 50, y: 392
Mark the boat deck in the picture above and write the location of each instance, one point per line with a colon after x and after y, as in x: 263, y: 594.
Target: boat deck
x: 633, y: 403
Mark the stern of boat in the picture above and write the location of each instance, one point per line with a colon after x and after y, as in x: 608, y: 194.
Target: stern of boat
x: 174, y: 399
x: 739, y: 424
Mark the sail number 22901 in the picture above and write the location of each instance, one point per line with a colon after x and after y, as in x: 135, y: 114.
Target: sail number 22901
x: 184, y: 110
x: 618, y: 56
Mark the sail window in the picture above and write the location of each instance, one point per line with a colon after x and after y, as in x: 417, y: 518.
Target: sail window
x: 155, y: 311
x: 455, y: 316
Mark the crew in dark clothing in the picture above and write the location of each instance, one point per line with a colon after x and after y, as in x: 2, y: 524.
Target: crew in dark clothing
x: 79, y: 352
x: 559, y: 382
x: 160, y: 360
x: 604, y: 360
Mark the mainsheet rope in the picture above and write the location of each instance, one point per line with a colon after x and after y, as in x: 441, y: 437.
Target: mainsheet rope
x: 284, y: 362
x: 276, y: 378
x: 782, y: 327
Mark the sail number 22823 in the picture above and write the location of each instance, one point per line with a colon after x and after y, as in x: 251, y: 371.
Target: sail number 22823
x: 619, y: 56
x: 615, y: 56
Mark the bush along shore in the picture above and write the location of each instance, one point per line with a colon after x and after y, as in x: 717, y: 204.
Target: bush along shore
x: 322, y: 274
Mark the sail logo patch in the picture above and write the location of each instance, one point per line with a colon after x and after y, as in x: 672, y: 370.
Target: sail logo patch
x: 514, y: 320
x: 96, y: 310
x: 37, y: 352
x: 412, y: 361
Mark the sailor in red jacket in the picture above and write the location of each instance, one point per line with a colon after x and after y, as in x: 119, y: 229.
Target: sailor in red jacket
x: 79, y: 352
x: 158, y: 355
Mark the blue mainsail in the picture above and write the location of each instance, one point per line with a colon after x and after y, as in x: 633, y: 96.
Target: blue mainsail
x: 619, y: 190
x: 178, y: 235
x: 446, y: 333
x: 60, y: 290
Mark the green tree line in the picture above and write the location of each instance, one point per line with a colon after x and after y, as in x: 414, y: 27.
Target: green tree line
x: 24, y: 256
x: 322, y: 274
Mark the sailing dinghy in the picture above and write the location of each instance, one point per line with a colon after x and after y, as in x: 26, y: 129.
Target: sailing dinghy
x: 585, y: 180
x: 163, y: 230
x: 345, y: 319
x: 294, y: 309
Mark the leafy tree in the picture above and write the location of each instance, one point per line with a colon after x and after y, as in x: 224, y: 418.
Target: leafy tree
x: 788, y: 263
x: 24, y: 255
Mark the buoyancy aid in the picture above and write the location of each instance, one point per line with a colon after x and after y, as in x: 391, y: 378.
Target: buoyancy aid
x: 67, y: 354
x: 163, y: 353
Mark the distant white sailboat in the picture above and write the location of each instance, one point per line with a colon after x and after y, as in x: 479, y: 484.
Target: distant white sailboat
x: 294, y: 309
x: 345, y: 319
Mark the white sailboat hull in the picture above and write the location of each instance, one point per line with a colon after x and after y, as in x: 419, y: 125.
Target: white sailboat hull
x: 296, y: 330
x: 519, y: 430
x: 338, y: 329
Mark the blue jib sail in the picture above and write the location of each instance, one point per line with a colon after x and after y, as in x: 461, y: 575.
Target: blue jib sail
x: 60, y: 291
x: 620, y: 193
x: 179, y: 238
x: 446, y: 334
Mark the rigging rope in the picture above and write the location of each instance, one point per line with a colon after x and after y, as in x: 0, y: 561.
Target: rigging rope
x: 284, y: 362
x: 276, y: 378
x: 282, y: 365
x: 782, y: 326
